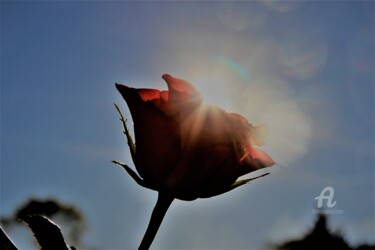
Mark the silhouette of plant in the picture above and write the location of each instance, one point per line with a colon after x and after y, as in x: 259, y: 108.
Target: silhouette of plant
x: 320, y: 237
x: 66, y: 215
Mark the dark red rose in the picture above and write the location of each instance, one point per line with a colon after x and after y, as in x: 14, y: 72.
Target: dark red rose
x: 189, y: 148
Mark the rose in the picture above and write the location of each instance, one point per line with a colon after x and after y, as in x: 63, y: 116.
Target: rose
x: 187, y: 148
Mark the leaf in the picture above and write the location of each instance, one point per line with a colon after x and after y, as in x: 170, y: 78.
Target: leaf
x: 6, y: 242
x: 46, y: 232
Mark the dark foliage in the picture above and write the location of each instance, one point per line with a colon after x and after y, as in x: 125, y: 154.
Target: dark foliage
x: 5, y: 241
x: 47, y: 233
x: 320, y: 237
x: 67, y: 215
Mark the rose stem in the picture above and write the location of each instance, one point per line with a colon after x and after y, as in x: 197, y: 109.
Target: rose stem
x: 161, y: 207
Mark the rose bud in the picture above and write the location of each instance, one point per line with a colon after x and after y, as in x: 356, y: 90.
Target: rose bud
x: 187, y: 148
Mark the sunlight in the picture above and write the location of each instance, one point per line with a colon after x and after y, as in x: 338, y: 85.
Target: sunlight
x: 271, y: 100
x: 268, y: 100
x: 250, y: 76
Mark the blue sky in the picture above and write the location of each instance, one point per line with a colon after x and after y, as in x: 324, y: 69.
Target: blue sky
x: 304, y: 68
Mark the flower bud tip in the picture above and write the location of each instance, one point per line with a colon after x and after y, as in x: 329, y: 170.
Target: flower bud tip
x: 166, y: 76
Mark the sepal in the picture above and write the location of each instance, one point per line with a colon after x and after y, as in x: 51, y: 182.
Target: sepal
x: 129, y: 139
x: 236, y: 184
x: 239, y: 183
x: 134, y: 175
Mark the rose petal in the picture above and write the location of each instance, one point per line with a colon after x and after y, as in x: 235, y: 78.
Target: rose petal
x: 206, y: 172
x: 238, y: 117
x: 240, y: 129
x: 157, y: 134
x: 253, y: 153
x: 159, y: 99
x: 183, y: 94
x: 258, y: 134
x: 204, y: 134
x: 225, y: 174
x: 149, y: 94
x: 179, y: 85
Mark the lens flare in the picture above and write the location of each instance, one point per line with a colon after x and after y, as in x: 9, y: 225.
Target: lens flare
x: 232, y: 65
x: 243, y: 76
x: 269, y: 100
x: 303, y: 56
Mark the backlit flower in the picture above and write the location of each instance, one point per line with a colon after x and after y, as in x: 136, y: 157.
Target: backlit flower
x: 188, y: 148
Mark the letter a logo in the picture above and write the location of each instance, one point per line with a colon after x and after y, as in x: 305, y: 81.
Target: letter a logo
x: 324, y: 196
